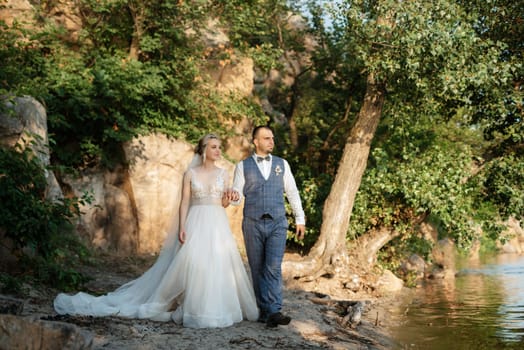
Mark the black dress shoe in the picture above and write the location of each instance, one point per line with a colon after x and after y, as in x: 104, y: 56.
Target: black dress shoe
x: 277, y: 319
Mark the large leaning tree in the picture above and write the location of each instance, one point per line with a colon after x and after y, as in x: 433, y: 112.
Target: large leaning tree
x: 428, y: 55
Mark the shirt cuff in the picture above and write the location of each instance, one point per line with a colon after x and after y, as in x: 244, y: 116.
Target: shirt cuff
x: 300, y: 220
x: 235, y: 202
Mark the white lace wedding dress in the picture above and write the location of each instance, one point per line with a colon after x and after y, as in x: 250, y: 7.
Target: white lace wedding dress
x: 200, y: 284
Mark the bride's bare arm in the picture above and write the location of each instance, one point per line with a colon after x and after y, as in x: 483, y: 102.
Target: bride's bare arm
x: 184, y: 206
x: 226, y: 196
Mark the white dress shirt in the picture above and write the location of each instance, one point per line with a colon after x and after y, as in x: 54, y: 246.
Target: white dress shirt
x: 290, y: 186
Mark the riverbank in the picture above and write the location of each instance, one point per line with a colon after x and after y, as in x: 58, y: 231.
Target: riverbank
x: 316, y: 309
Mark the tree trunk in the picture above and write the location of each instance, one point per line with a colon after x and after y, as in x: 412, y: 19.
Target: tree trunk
x: 368, y: 246
x: 331, y: 244
x: 294, y: 95
x: 137, y: 12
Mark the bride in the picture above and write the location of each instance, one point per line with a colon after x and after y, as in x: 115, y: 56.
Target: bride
x: 199, y: 279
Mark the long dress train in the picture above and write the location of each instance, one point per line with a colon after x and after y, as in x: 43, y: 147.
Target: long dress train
x: 200, y: 284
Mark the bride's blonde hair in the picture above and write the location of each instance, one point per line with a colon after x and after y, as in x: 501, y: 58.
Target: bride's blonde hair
x: 200, y: 148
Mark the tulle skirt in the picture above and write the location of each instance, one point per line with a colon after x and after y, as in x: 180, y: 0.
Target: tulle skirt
x: 200, y: 284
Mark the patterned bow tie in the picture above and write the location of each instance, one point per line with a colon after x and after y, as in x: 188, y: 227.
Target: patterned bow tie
x: 260, y: 159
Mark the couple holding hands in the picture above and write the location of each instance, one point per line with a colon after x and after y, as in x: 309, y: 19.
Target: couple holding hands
x: 199, y: 279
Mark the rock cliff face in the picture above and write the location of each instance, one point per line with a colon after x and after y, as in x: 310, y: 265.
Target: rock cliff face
x: 134, y: 206
x: 20, y: 10
x: 25, y: 124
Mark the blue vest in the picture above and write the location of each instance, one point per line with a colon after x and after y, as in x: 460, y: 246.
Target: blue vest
x: 264, y: 196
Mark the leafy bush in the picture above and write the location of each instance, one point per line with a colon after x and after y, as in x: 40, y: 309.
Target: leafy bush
x: 503, y: 185
x: 40, y: 230
x: 418, y: 172
x: 10, y: 284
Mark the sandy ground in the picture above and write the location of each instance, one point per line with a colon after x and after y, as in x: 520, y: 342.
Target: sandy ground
x: 313, y: 306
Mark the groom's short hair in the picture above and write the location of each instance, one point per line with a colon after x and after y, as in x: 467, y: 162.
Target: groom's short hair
x: 255, y: 130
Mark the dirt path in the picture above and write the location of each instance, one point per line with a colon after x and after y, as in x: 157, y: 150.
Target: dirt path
x: 316, y: 318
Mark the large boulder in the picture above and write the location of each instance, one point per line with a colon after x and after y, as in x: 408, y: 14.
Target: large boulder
x: 414, y: 265
x: 12, y: 306
x: 444, y: 259
x: 514, y: 231
x: 388, y: 283
x: 157, y: 164
x: 157, y: 167
x: 16, y: 10
x: 134, y: 208
x: 121, y: 224
x: 91, y: 225
x: 23, y: 123
x: 108, y: 220
x: 30, y: 333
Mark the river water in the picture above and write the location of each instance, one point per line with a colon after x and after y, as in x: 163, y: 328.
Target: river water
x: 481, y: 309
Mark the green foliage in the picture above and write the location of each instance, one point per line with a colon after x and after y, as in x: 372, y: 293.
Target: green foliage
x: 21, y: 57
x: 313, y: 191
x: 503, y: 185
x: 38, y: 229
x: 94, y: 109
x: 501, y: 21
x: 416, y: 172
x: 440, y: 69
x: 10, y: 284
x: 63, y: 275
x: 258, y: 28
x: 265, y: 56
x: 424, y: 170
x: 99, y: 95
x: 432, y: 51
x: 251, y: 22
x: 219, y: 112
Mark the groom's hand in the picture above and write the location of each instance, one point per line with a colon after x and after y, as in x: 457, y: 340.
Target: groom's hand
x: 300, y: 232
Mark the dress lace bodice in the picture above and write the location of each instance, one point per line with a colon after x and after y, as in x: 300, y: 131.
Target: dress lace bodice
x: 207, y: 191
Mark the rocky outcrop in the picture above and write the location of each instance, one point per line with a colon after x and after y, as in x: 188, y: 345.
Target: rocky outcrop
x: 444, y: 259
x: 514, y: 231
x: 24, y: 124
x: 157, y: 164
x: 10, y: 305
x: 17, y: 332
x: 30, y: 332
x: 62, y: 12
x: 389, y: 283
x: 134, y: 208
x: 19, y: 10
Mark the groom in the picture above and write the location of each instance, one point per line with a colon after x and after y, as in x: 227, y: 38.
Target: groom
x: 263, y: 179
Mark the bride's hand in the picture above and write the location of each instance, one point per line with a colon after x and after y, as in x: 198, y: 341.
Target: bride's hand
x: 232, y: 195
x: 182, y: 236
x: 228, y: 196
x: 225, y: 200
